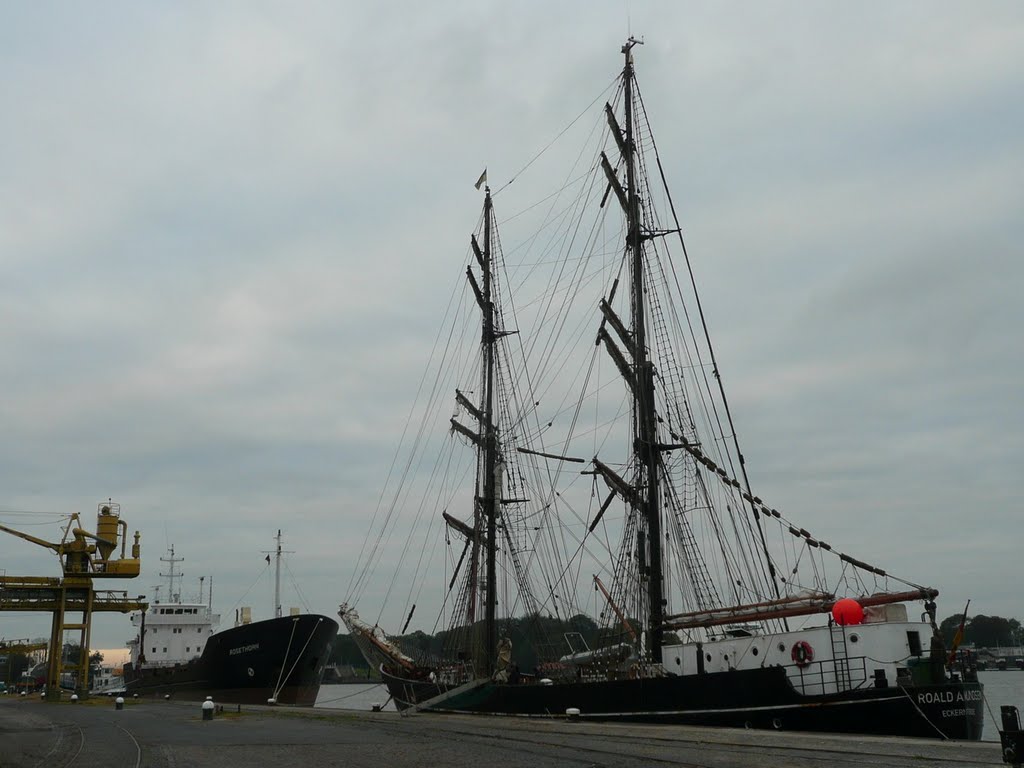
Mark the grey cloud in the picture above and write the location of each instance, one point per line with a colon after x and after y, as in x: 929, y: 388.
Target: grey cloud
x: 228, y: 235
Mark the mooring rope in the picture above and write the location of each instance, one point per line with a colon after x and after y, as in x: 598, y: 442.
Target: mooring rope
x: 295, y: 623
x: 991, y: 714
x: 922, y: 714
x: 297, y: 656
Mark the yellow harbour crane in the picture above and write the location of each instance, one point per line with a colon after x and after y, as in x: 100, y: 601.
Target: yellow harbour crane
x: 84, y: 556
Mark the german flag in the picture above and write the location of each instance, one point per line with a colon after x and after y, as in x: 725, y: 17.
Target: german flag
x: 959, y: 636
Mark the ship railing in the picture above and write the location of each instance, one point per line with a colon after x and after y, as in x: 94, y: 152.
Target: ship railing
x: 966, y: 663
x: 164, y: 664
x: 829, y: 675
x: 456, y: 673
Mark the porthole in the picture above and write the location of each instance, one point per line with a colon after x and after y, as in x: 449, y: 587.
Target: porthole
x: 754, y: 651
x: 726, y: 657
x: 677, y: 661
x: 782, y: 647
x: 252, y: 672
x: 854, y: 637
x: 708, y: 657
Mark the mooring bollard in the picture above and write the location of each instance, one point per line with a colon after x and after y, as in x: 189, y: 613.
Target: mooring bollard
x: 118, y: 703
x: 272, y: 702
x: 1011, y: 736
x: 208, y: 710
x: 167, y: 697
x: 74, y: 698
x: 573, y: 713
x: 376, y: 707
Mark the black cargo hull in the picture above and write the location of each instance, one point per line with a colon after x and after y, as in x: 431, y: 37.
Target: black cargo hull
x: 280, y: 658
x: 759, y: 698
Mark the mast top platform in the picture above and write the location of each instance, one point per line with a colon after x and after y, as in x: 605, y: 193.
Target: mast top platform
x: 630, y: 43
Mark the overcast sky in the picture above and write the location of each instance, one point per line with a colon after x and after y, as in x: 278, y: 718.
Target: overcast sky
x: 228, y: 232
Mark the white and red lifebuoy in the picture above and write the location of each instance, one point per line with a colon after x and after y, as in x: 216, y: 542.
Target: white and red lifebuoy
x: 802, y: 654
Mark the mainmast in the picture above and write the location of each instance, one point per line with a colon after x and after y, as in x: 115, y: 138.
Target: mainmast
x: 646, y: 444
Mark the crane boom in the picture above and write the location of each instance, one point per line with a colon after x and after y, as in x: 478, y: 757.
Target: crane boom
x: 35, y: 540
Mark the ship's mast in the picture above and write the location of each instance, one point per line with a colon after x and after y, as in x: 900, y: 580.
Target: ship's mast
x: 646, y: 444
x: 277, y: 577
x: 276, y: 552
x: 489, y: 500
x: 173, y: 596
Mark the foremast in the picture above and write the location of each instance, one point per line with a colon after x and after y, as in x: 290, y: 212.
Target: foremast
x: 485, y: 438
x: 489, y: 501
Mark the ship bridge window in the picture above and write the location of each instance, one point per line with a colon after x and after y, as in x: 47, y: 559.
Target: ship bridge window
x: 177, y: 610
x: 914, y: 641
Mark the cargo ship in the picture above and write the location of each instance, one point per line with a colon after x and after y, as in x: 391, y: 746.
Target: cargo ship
x: 178, y: 652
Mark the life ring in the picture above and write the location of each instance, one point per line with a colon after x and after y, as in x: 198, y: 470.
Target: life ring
x: 803, y: 654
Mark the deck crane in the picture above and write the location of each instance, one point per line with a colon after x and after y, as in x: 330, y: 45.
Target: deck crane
x: 84, y: 556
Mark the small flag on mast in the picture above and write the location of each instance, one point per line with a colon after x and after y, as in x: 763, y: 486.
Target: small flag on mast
x: 959, y: 636
x: 482, y: 180
x: 268, y: 559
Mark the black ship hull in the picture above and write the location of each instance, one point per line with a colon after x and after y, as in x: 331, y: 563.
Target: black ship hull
x: 281, y: 659
x: 758, y: 698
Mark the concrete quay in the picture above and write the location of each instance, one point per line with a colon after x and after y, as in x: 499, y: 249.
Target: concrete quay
x: 173, y: 735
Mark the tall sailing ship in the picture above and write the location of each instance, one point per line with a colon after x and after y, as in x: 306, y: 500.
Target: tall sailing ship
x: 714, y: 607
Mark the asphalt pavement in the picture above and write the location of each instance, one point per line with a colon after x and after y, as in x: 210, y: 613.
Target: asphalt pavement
x: 167, y: 734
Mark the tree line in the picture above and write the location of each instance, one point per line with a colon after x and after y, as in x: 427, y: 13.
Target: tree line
x: 534, y: 637
x: 983, y: 631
